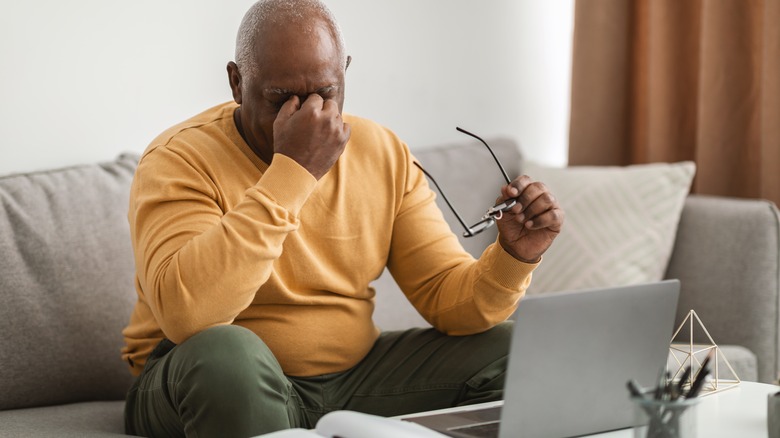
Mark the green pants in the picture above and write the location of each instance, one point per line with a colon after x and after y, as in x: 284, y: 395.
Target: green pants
x: 225, y: 382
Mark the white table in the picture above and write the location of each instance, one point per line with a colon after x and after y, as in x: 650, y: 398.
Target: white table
x: 734, y: 412
x: 737, y: 412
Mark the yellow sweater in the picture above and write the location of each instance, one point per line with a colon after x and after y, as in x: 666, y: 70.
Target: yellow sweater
x: 222, y: 238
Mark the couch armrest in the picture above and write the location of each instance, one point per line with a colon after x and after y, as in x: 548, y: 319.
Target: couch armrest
x: 726, y: 256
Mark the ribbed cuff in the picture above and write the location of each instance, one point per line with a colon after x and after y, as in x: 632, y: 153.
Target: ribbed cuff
x: 509, y: 272
x: 288, y: 183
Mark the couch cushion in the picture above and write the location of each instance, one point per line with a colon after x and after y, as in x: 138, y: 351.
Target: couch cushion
x: 92, y: 419
x: 620, y: 224
x: 67, y: 284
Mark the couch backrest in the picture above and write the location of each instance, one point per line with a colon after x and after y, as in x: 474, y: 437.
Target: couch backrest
x: 66, y: 281
x: 470, y: 178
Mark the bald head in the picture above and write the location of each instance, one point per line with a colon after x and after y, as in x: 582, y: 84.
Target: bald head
x: 268, y: 15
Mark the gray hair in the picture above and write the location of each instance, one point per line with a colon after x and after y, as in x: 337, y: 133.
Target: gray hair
x: 266, y: 12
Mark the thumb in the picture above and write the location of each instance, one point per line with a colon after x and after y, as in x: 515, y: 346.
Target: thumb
x: 347, y: 131
x: 506, y: 193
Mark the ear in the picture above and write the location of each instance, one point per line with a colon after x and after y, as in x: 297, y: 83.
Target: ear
x: 234, y: 77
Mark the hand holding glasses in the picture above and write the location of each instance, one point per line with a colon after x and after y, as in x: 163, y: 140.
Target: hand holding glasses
x: 494, y: 213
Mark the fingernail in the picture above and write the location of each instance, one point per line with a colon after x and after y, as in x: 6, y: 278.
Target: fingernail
x: 529, y: 224
x: 513, y: 191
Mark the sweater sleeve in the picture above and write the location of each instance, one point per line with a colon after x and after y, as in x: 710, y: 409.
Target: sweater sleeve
x: 455, y: 293
x: 198, y: 266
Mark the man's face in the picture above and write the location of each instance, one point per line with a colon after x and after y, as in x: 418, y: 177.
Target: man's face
x: 289, y: 63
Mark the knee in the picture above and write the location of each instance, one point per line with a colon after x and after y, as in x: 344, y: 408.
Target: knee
x: 228, y: 356
x: 227, y: 374
x: 504, y: 329
x: 225, y: 340
x: 499, y: 338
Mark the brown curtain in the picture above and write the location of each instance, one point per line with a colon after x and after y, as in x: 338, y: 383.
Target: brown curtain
x: 673, y: 80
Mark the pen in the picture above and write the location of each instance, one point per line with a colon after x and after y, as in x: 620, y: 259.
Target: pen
x: 661, y: 385
x: 669, y: 388
x: 699, y: 381
x: 684, y: 377
x: 634, y: 389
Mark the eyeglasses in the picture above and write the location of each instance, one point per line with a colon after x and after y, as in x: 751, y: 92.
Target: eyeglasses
x: 493, y: 214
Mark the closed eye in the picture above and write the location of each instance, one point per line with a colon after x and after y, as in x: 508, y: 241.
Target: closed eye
x: 277, y: 97
x: 279, y: 102
x: 328, y: 92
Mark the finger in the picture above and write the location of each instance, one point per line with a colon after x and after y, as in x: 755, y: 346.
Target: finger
x: 314, y: 101
x: 507, y: 192
x: 535, y: 192
x: 330, y: 105
x: 518, y: 186
x: 289, y: 108
x: 551, y: 219
x: 517, y: 208
x: 346, y: 132
x: 513, y: 190
x: 543, y: 203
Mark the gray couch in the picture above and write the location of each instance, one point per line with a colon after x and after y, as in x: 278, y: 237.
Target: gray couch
x: 66, y: 281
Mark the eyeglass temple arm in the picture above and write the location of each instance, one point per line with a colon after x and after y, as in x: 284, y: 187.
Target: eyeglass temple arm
x: 449, y: 204
x: 506, y: 177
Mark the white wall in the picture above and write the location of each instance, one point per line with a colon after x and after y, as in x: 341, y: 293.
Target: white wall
x: 84, y: 80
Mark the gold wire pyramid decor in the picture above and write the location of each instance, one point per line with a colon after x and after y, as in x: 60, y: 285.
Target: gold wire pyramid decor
x: 689, y: 353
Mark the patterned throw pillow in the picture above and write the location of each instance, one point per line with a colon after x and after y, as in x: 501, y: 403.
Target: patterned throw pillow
x: 620, y: 224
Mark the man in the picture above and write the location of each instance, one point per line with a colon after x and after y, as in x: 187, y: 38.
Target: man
x: 257, y: 227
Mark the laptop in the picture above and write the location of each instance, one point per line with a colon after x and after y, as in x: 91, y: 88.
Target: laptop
x: 572, y: 354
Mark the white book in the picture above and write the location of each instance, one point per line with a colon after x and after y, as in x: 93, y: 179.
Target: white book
x: 350, y: 424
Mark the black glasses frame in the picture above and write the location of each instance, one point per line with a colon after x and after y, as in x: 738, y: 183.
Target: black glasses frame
x: 494, y: 213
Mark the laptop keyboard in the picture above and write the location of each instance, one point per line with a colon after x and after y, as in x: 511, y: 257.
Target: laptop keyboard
x: 482, y: 430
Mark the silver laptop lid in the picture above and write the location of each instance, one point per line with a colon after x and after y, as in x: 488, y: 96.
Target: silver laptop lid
x: 573, y: 352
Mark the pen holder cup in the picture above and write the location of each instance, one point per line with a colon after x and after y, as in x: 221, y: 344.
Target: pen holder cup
x: 773, y: 415
x: 665, y: 418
